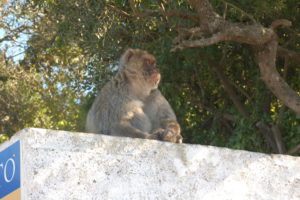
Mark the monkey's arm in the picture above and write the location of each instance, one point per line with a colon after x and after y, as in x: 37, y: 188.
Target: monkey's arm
x: 126, y: 129
x: 168, y: 123
x: 163, y: 118
x: 133, y: 122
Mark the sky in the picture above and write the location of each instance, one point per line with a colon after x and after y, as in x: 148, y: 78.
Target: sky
x: 14, y: 49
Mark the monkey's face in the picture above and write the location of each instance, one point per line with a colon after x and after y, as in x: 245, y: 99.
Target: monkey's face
x: 149, y: 71
x: 140, y: 68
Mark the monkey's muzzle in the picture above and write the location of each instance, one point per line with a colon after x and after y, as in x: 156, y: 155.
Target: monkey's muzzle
x: 152, y: 75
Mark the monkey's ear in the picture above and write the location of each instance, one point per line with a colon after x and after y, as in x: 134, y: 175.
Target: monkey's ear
x: 126, y: 57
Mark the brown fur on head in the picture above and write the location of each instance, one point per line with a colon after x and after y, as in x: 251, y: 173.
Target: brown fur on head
x: 140, y: 68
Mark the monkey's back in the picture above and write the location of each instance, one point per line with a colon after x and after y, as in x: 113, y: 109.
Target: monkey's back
x: 107, y: 107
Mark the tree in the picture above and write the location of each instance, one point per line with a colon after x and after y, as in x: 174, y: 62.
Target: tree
x: 263, y: 40
x: 218, y: 61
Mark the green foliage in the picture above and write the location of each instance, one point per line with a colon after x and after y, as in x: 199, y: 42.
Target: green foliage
x: 3, y: 138
x: 28, y: 99
x: 73, y: 51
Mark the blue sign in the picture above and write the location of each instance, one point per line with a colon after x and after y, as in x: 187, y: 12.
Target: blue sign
x: 10, y: 179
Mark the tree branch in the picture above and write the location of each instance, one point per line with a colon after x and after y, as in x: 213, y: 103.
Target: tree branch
x: 14, y: 33
x: 229, y: 89
x: 272, y: 136
x: 278, y: 139
x: 234, y: 32
x: 171, y: 13
x: 263, y: 40
x: 118, y: 10
x: 225, y: 116
x: 266, y: 58
x: 291, y: 55
x: 280, y: 22
x: 296, y: 149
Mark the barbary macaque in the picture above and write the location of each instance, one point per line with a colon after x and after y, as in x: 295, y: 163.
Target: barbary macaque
x: 131, y: 105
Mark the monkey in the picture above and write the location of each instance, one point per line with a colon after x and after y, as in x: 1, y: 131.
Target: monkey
x: 131, y: 105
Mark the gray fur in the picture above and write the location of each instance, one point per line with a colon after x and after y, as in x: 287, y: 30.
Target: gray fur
x: 131, y: 105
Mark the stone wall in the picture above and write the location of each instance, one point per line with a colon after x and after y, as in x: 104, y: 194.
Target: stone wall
x: 62, y: 165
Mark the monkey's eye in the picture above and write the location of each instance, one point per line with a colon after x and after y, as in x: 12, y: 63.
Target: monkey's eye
x: 150, y: 62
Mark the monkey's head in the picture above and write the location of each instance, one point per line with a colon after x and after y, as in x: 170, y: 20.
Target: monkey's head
x: 140, y: 68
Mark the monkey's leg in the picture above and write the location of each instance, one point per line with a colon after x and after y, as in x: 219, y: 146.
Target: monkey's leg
x: 127, y: 130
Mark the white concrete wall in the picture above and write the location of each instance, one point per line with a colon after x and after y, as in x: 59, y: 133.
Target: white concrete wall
x: 63, y: 165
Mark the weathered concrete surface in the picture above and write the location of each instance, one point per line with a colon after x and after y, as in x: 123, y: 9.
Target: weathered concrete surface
x: 68, y: 166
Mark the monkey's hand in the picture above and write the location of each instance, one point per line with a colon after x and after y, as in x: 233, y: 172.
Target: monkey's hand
x: 157, y: 134
x: 172, y: 132
x: 169, y: 135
